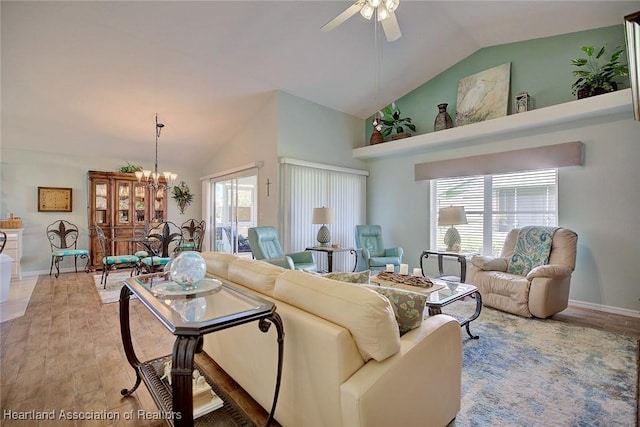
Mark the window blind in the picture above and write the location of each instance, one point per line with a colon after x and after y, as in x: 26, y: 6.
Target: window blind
x: 312, y: 186
x: 495, y: 204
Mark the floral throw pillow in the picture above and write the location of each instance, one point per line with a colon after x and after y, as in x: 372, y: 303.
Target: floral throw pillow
x: 407, y: 306
x: 361, y: 277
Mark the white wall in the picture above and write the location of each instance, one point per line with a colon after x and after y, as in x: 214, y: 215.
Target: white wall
x: 287, y: 126
x: 23, y: 171
x: 599, y: 200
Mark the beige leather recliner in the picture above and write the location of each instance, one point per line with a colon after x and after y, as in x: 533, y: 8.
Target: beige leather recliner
x: 543, y: 292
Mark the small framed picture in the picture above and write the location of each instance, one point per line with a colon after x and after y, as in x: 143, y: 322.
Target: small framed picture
x: 55, y: 199
x: 522, y: 102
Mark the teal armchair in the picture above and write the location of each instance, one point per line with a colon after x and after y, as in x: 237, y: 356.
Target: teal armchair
x: 374, y: 254
x: 266, y: 246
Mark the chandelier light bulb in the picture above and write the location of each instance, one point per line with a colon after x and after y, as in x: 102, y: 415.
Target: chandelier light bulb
x: 383, y: 13
x: 391, y: 5
x: 367, y: 11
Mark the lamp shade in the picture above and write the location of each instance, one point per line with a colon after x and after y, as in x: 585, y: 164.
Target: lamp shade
x: 323, y: 216
x: 453, y: 215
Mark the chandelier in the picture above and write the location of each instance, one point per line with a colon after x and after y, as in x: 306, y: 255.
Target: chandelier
x: 152, y: 179
x: 383, y: 7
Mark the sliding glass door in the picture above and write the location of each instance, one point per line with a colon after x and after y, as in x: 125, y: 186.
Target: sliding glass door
x: 235, y: 208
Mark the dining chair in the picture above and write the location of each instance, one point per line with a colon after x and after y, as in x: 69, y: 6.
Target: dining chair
x: 3, y: 240
x: 113, y: 261
x: 162, y: 241
x: 63, y: 238
x: 192, y: 235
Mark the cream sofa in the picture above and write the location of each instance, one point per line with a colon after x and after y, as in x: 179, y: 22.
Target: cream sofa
x: 344, y: 361
x: 543, y: 292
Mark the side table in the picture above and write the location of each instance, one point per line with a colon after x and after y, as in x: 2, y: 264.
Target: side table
x: 157, y: 294
x: 330, y: 250
x: 461, y: 257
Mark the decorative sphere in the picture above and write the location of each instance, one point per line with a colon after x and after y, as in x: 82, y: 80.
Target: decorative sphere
x: 187, y: 269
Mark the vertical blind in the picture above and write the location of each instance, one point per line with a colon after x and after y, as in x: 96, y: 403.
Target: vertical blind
x: 494, y: 205
x: 306, y: 187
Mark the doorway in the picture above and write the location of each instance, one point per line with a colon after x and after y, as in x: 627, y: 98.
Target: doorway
x: 235, y: 208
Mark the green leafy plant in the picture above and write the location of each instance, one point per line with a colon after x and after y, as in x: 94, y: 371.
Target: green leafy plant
x: 391, y: 121
x: 182, y: 195
x: 129, y: 168
x: 596, y: 76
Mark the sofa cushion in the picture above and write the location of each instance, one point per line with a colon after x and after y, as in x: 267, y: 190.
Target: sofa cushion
x: 367, y: 315
x: 361, y: 277
x: 218, y: 263
x: 257, y: 275
x: 408, y: 306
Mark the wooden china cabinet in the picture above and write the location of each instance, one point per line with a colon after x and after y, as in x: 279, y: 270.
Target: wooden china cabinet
x: 121, y: 206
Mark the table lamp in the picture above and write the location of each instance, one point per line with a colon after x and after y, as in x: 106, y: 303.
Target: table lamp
x: 323, y: 216
x: 453, y: 215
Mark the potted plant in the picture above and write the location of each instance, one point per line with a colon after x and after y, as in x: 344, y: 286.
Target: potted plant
x: 129, y: 168
x: 391, y: 121
x: 182, y: 195
x: 595, y: 76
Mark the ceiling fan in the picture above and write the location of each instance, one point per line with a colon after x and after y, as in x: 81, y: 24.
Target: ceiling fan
x: 383, y: 9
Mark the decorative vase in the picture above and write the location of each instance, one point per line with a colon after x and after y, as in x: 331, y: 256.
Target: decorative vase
x: 443, y: 119
x: 376, y: 137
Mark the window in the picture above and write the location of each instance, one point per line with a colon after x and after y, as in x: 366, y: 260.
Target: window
x: 494, y: 205
x: 308, y: 185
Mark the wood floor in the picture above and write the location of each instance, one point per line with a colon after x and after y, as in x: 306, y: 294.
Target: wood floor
x: 65, y: 354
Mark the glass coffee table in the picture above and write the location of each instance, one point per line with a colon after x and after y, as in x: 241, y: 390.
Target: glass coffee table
x: 450, y: 293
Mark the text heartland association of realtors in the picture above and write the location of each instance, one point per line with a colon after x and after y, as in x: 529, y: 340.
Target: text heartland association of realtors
x: 62, y: 414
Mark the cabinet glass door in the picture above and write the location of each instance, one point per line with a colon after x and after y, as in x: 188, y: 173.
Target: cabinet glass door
x: 101, y: 204
x: 158, y: 205
x: 140, y: 200
x: 123, y: 202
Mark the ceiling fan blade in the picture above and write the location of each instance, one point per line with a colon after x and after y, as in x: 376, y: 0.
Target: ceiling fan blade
x: 391, y: 28
x: 348, y: 13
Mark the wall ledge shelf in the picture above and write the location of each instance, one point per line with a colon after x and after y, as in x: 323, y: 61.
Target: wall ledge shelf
x: 572, y: 111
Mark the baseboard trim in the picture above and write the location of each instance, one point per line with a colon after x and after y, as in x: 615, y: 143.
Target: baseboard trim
x: 605, y: 308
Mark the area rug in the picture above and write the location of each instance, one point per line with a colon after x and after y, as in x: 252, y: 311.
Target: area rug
x: 115, y: 281
x: 534, y: 372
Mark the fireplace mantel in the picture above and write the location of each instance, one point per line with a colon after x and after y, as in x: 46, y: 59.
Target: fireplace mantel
x: 504, y: 127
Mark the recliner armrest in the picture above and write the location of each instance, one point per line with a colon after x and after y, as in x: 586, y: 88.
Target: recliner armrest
x: 283, y: 261
x: 551, y: 271
x: 305, y: 257
x: 366, y: 255
x: 489, y: 263
x: 394, y: 252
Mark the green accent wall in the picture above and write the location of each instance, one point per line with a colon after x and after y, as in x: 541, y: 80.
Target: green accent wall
x: 540, y: 67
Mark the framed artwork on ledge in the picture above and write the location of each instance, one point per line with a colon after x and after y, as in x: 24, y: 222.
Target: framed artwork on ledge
x: 632, y: 32
x: 55, y: 199
x: 484, y: 95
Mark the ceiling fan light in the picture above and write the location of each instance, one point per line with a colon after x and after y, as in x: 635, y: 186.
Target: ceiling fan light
x: 383, y: 13
x: 367, y: 11
x: 391, y: 5
x: 374, y: 3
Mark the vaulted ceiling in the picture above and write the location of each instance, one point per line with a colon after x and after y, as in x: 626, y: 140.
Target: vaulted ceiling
x: 90, y: 76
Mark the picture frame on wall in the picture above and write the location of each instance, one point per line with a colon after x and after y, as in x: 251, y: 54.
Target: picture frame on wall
x: 55, y: 199
x: 632, y: 33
